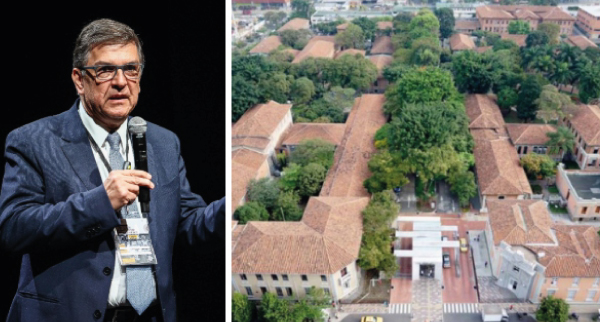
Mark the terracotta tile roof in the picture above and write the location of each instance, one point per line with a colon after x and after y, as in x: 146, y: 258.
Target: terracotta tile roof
x: 330, y: 132
x: 255, y: 127
x: 292, y: 51
x: 461, y: 42
x: 529, y: 134
x: 381, y: 61
x: 497, y: 166
x: 330, y: 39
x: 383, y: 25
x: 382, y: 45
x: 483, y: 49
x: 556, y: 13
x: 520, y: 222
x: 266, y: 45
x: 586, y: 122
x: 513, y: 11
x: 492, y: 12
x: 350, y: 51
x: 466, y: 25
x: 577, y: 254
x: 483, y: 113
x: 244, y: 167
x: 518, y: 39
x: 326, y: 240
x: 342, y: 27
x: 526, y: 14
x: 351, y: 157
x: 316, y: 49
x: 295, y: 24
x: 580, y: 41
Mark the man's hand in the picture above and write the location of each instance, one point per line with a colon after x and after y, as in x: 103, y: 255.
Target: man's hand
x: 123, y: 186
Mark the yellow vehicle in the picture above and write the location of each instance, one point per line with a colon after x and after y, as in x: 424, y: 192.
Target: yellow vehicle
x: 371, y: 319
x: 463, y: 245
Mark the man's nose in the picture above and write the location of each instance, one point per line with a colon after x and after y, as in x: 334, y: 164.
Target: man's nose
x: 119, y: 80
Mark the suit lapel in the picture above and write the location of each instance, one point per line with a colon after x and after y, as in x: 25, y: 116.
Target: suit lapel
x: 76, y: 146
x: 152, y: 170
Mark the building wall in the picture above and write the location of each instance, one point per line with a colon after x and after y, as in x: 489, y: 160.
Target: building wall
x: 514, y: 267
x: 344, y: 285
x: 578, y: 209
x: 561, y: 287
x: 294, y: 282
x: 380, y: 85
x: 501, y: 25
x: 588, y: 23
x: 276, y: 136
x: 584, y: 153
x: 530, y: 149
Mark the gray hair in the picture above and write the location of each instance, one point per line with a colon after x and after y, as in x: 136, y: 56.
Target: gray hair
x: 103, y: 32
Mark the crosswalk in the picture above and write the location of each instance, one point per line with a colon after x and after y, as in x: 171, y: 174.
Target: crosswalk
x: 402, y: 308
x: 461, y: 308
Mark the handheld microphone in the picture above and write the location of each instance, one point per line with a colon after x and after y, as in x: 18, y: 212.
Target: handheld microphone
x: 137, y: 127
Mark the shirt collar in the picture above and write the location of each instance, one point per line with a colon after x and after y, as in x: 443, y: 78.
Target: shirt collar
x: 97, y: 132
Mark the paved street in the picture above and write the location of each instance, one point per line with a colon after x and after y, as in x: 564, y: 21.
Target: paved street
x: 477, y: 318
x: 386, y: 318
x: 407, y: 198
x: 446, y: 201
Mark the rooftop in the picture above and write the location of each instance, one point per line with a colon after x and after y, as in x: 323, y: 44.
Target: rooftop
x: 461, y: 42
x: 512, y: 12
x: 350, y: 165
x: 529, y: 134
x: 295, y: 24
x: 587, y: 185
x: 382, y: 45
x: 245, y: 165
x: 483, y: 113
x: 381, y: 61
x: 316, y: 49
x: 520, y: 40
x: 580, y: 41
x: 330, y: 132
x: 587, y: 123
x: 266, y: 45
x: 255, y: 127
x: 520, y: 222
x: 383, y: 25
x: 350, y: 51
x: 466, y: 24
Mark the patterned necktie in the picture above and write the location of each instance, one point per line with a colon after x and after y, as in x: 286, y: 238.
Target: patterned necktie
x: 141, y: 288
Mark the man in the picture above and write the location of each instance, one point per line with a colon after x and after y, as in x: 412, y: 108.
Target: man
x: 65, y: 193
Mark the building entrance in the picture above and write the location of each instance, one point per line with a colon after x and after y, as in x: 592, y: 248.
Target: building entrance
x: 427, y: 270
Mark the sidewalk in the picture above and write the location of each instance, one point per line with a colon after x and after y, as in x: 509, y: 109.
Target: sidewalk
x: 346, y: 309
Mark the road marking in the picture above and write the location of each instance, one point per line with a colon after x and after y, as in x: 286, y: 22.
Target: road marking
x: 401, y: 308
x: 461, y: 308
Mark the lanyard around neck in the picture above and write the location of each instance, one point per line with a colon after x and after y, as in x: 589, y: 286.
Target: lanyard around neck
x: 126, y: 165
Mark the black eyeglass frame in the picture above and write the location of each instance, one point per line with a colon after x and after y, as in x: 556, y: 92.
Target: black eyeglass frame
x: 121, y: 67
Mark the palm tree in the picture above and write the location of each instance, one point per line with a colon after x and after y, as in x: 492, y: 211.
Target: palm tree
x: 560, y: 142
x: 561, y: 74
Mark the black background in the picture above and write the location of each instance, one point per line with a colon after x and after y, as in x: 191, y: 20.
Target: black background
x: 182, y: 89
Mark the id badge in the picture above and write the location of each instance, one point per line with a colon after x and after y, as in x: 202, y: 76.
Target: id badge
x: 134, y: 244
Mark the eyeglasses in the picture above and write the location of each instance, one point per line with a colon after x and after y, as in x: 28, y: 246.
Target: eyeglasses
x: 108, y: 72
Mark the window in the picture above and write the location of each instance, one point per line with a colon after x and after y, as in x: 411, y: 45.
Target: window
x: 284, y: 277
x: 596, y: 282
x: 591, y: 295
x: 516, y: 269
x: 592, y: 163
x: 326, y: 290
x: 323, y: 278
x: 263, y: 290
x: 525, y: 150
x: 583, y: 210
x: 304, y: 278
x: 307, y: 290
x: 519, y: 149
x: 597, y: 210
x: 500, y: 197
x: 279, y: 291
x: 344, y: 272
x: 551, y: 292
x: 259, y: 277
x: 274, y: 277
x: 571, y: 295
x: 576, y: 281
x: 596, y: 150
x: 554, y: 281
x: 249, y: 291
x: 243, y: 277
x: 289, y: 291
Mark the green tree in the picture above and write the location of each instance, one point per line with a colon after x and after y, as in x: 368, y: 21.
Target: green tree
x: 275, y: 87
x: 302, y: 9
x: 446, y: 19
x: 504, y: 44
x: 472, y: 72
x: 251, y: 211
x: 553, y: 105
x: 492, y: 38
x: 550, y: 29
x: 295, y: 38
x: 286, y: 208
x: 519, y: 27
x: 244, y: 95
x: 387, y: 171
x: 328, y: 28
x: 289, y: 177
x: 313, y: 151
x: 424, y: 23
x: 311, y: 179
x: 537, y: 38
x: 368, y: 26
x: 273, y: 309
x: 264, y: 191
x: 593, y: 54
x: 529, y: 92
x: 302, y: 90
x: 552, y: 309
x: 241, y: 308
x: 351, y: 72
x: 352, y: 37
x: 425, y: 51
x: 339, y: 97
x: 402, y: 21
x: 538, y: 165
x: 561, y: 141
x: 507, y: 98
x: 274, y: 18
x: 395, y: 71
x: 589, y: 83
x: 462, y: 184
x: 419, y: 86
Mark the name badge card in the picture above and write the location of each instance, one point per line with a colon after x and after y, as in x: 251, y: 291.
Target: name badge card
x: 134, y: 243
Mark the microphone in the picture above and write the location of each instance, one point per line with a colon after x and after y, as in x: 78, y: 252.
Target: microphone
x: 137, y: 127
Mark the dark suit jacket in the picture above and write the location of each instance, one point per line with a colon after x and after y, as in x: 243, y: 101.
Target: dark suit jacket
x: 54, y: 210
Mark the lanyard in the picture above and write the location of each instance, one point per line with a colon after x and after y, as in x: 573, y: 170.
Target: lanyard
x: 126, y: 164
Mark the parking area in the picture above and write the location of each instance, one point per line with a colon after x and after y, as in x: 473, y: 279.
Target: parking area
x: 460, y: 289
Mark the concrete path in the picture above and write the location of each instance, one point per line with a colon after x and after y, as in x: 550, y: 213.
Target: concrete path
x: 427, y: 300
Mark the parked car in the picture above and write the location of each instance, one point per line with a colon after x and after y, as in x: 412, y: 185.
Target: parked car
x: 371, y: 319
x: 463, y: 245
x: 446, y: 259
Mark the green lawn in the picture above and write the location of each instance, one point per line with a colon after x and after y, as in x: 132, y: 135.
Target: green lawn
x: 553, y: 189
x: 558, y: 210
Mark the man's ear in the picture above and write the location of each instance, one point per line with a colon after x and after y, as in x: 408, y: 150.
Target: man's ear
x: 77, y: 78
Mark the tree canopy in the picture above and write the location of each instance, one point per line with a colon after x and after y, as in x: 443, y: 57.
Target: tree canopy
x: 446, y: 20
x: 352, y: 37
x: 519, y: 27
x: 530, y: 91
x: 552, y: 309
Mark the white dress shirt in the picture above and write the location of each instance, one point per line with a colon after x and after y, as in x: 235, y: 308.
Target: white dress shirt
x: 117, y: 295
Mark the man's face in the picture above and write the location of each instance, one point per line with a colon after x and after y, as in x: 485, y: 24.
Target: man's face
x: 109, y: 102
